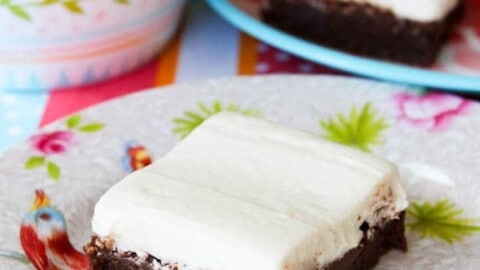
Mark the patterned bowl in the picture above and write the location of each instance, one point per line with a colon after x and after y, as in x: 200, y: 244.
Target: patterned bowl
x: 49, y: 44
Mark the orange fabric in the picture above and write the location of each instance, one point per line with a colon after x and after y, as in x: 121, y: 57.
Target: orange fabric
x: 247, y: 55
x: 167, y: 65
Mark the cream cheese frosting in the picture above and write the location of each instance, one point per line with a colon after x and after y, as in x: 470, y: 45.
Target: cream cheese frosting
x: 243, y: 193
x: 417, y: 10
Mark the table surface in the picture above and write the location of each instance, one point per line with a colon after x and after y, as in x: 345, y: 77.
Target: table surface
x: 206, y: 47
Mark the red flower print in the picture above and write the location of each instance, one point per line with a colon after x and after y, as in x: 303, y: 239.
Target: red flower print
x: 433, y: 111
x: 52, y: 143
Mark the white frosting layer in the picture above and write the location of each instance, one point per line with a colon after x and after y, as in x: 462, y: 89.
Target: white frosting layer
x: 242, y: 193
x: 418, y: 10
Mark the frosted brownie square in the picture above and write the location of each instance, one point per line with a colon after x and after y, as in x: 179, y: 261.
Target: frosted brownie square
x: 242, y: 193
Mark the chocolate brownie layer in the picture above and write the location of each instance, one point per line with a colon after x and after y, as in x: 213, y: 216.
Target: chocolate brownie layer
x: 104, y: 256
x: 368, y: 253
x: 362, y: 29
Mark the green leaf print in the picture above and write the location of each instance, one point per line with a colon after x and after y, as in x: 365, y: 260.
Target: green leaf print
x: 359, y: 129
x: 73, y: 121
x: 53, y: 171
x: 92, y: 127
x: 20, y: 9
x: 20, y: 12
x: 34, y: 162
x: 192, y: 119
x: 441, y: 220
x: 73, y: 7
x: 48, y: 2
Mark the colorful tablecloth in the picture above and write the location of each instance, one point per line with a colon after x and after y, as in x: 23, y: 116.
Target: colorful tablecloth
x: 206, y: 47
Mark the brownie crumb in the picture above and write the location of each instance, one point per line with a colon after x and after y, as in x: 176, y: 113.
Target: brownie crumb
x: 104, y: 256
x: 364, y: 227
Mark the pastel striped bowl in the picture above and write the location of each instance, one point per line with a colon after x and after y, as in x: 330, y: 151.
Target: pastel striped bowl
x: 69, y: 43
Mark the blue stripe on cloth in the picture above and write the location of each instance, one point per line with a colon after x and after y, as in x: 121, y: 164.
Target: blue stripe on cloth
x: 19, y: 117
x: 209, y: 46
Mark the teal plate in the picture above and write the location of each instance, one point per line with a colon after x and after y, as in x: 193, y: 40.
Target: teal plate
x: 453, y: 72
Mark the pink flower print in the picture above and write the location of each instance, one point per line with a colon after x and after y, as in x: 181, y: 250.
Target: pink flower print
x: 56, y: 142
x: 433, y: 111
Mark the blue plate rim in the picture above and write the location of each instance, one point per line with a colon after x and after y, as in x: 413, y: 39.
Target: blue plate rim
x: 343, y: 61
